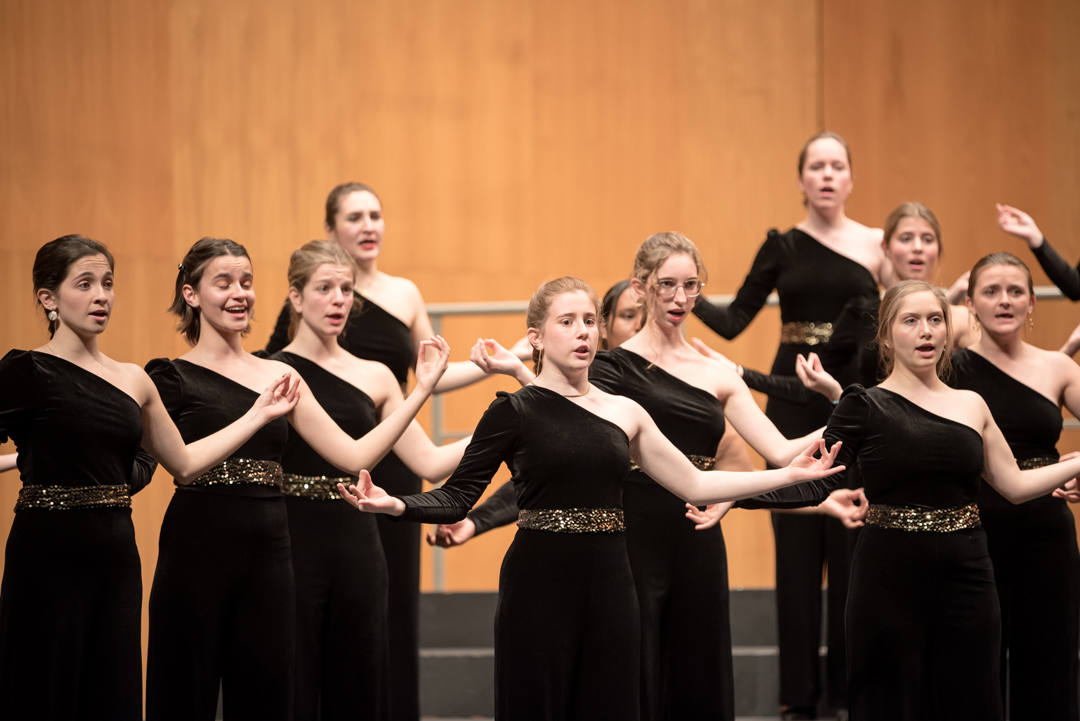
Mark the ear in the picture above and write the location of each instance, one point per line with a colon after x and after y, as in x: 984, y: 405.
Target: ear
x: 535, y: 339
x: 638, y: 289
x: 295, y: 298
x: 47, y: 298
x: 190, y: 296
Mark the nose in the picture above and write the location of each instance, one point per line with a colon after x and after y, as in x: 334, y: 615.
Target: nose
x: 917, y: 245
x: 680, y: 289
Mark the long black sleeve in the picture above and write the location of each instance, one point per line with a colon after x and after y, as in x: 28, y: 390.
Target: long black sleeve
x: 280, y: 337
x: 787, y: 388
x: 847, y: 424
x: 1059, y: 271
x: 492, y: 443
x: 500, y: 509
x: 142, y: 471
x: 751, y: 297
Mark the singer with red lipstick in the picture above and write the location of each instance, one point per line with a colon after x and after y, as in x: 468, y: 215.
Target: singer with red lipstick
x: 816, y: 268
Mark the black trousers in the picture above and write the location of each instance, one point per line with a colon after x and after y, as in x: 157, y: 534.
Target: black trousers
x: 1033, y: 548
x: 924, y: 628
x: 806, y: 545
x: 566, y: 630
x: 70, y: 610
x: 682, y: 586
x: 341, y: 645
x: 222, y: 610
x: 401, y: 548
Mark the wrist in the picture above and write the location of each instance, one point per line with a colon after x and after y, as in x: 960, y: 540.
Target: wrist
x: 1035, y: 240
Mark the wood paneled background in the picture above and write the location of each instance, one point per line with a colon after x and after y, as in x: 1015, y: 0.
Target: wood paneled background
x: 512, y: 141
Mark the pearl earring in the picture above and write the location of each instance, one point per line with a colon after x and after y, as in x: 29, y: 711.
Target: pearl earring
x: 52, y: 316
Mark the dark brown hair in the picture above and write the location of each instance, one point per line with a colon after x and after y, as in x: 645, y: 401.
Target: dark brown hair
x: 1000, y: 258
x: 54, y: 260
x: 333, y: 200
x: 190, y: 272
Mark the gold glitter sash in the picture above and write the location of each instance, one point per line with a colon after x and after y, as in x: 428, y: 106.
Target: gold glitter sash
x: 934, y: 520
x: 242, y: 471
x: 573, y: 520
x: 316, y: 488
x: 806, y: 333
x: 1036, y: 462
x: 64, y: 498
x: 704, y: 463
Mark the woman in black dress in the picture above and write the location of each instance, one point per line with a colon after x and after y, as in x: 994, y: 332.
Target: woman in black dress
x: 387, y: 327
x: 340, y: 571
x: 922, y: 615
x: 222, y: 604
x: 1032, y: 545
x: 567, y: 625
x: 816, y: 267
x: 71, y: 597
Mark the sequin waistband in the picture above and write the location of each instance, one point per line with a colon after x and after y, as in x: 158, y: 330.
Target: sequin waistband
x: 704, y: 463
x: 65, y: 498
x: 1027, y: 464
x: 573, y: 520
x: 934, y: 520
x: 806, y: 332
x: 242, y: 472
x: 316, y: 488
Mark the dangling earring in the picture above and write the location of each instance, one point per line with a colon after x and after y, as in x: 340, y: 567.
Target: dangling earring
x: 1031, y: 320
x: 540, y: 359
x: 52, y: 316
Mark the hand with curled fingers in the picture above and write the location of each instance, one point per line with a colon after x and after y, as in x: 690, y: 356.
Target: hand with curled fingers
x: 491, y: 357
x: 279, y: 398
x: 713, y: 513
x: 847, y: 505
x: 366, y: 496
x: 810, y: 371
x: 807, y: 467
x: 715, y: 355
x: 432, y: 357
x: 447, y: 535
x: 1016, y: 222
x: 1070, y: 491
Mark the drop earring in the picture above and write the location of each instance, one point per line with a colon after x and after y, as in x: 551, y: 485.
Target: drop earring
x: 52, y: 316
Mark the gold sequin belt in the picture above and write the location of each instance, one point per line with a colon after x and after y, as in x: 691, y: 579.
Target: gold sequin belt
x: 805, y: 332
x: 573, y: 520
x: 316, y: 488
x: 1036, y: 462
x: 242, y: 472
x: 65, y: 498
x: 704, y: 463
x: 934, y: 520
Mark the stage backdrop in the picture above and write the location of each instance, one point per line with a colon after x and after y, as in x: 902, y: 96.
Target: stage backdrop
x: 513, y: 141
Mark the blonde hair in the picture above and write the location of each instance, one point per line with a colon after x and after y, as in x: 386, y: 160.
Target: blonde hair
x: 303, y: 263
x: 890, y: 308
x: 912, y: 209
x: 658, y: 247
x: 540, y: 304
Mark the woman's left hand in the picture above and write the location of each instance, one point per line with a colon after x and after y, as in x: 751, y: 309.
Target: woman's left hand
x: 708, y: 518
x: 432, y: 358
x: 366, y: 496
x: 805, y: 467
x: 847, y: 505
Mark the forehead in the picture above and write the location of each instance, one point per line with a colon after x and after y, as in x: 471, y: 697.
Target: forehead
x: 626, y: 300
x: 572, y: 301
x: 677, y: 264
x: 227, y: 265
x: 914, y: 224
x: 358, y: 201
x: 332, y: 271
x: 1001, y: 275
x: 97, y: 264
x: 827, y: 149
x: 921, y: 303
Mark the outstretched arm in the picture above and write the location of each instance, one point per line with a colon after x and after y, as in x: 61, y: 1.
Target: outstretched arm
x: 1017, y: 222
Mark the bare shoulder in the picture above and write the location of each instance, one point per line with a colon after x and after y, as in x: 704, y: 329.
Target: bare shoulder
x: 1057, y: 363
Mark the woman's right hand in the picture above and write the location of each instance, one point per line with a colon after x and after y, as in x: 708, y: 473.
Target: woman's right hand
x: 1017, y: 222
x: 816, y: 378
x: 279, y: 398
x: 847, y: 505
x: 430, y: 370
x: 452, y: 534
x: 366, y: 496
x: 807, y: 467
x: 491, y: 357
x: 715, y: 355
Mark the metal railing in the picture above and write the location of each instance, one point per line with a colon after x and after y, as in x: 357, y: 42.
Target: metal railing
x: 440, y: 311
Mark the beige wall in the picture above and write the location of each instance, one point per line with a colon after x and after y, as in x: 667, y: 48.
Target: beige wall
x: 512, y: 141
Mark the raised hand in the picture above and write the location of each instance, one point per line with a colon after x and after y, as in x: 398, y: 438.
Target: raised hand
x: 432, y: 357
x: 452, y: 534
x: 279, y: 397
x: 1017, y: 222
x: 958, y: 290
x: 816, y: 378
x: 708, y: 518
x: 715, y: 355
x: 846, y: 504
x: 366, y: 496
x: 522, y: 348
x: 491, y: 357
x: 805, y: 467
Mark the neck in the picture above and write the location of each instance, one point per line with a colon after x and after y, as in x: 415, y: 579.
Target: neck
x: 216, y: 345
x: 68, y: 344
x: 661, y: 337
x: 994, y: 344
x: 567, y: 383
x: 367, y: 272
x: 831, y: 218
x: 913, y: 380
x: 311, y: 345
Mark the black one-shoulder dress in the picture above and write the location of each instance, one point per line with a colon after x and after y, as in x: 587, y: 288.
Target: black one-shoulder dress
x: 1033, y: 547
x: 923, y: 621
x: 340, y: 571
x: 373, y: 333
x: 70, y: 603
x: 222, y: 610
x: 567, y: 623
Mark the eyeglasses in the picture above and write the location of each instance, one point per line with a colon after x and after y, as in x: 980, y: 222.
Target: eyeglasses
x: 667, y: 288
